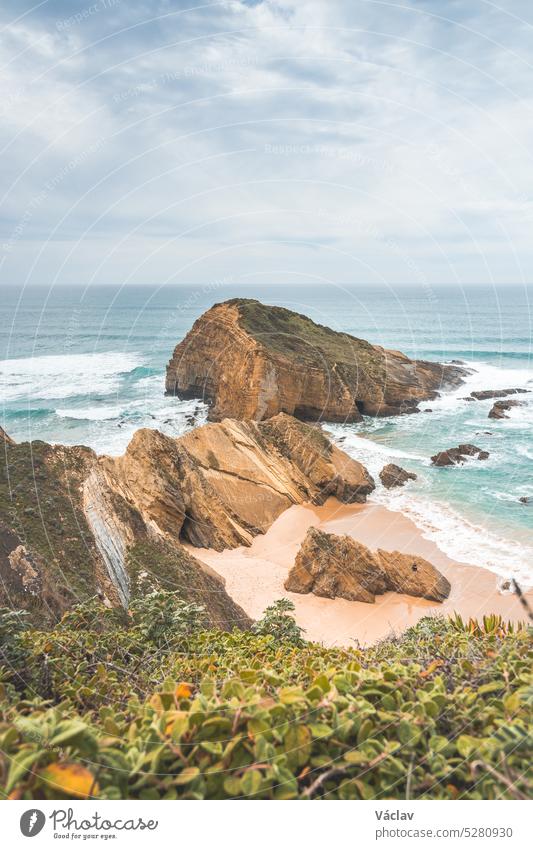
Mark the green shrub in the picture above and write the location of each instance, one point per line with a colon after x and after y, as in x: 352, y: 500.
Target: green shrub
x: 438, y: 713
x: 279, y: 624
x: 164, y: 619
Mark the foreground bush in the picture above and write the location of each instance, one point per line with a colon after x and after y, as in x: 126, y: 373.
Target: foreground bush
x: 112, y: 710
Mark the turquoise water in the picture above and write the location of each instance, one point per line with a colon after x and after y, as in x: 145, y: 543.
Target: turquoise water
x: 87, y: 366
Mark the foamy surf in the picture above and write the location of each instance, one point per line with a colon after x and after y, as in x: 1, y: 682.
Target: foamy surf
x: 431, y: 501
x: 460, y: 539
x: 64, y: 375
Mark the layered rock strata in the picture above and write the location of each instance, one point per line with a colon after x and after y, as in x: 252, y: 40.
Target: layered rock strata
x: 340, y: 567
x: 248, y: 360
x: 73, y: 524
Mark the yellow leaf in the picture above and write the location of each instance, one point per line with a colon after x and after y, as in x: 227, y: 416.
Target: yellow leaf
x: 155, y: 702
x: 183, y: 691
x: 431, y: 668
x: 70, y: 779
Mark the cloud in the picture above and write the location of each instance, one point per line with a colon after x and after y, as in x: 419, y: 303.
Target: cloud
x: 357, y: 141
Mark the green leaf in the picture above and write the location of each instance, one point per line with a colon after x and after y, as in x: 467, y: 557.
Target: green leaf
x: 491, y: 687
x: 187, y: 775
x: 19, y: 766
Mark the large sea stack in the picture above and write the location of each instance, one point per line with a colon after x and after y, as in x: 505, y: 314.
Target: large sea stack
x: 248, y: 360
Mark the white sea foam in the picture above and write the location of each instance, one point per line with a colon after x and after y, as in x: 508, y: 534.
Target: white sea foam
x: 64, y: 375
x: 460, y: 539
x: 110, y: 434
x: 484, y: 376
x: 93, y: 414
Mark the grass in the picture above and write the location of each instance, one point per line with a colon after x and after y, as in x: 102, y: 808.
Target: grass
x: 298, y: 337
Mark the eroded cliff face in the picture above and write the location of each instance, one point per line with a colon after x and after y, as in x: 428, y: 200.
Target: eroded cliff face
x: 49, y: 560
x: 252, y: 361
x: 69, y: 532
x: 222, y: 484
x: 73, y: 525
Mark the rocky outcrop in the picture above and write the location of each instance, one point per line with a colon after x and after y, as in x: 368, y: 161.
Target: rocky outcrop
x: 456, y: 456
x: 4, y: 437
x: 248, y: 360
x: 500, y: 408
x: 75, y: 525
x: 24, y: 564
x: 485, y: 394
x: 222, y: 484
x: 68, y: 533
x: 526, y: 499
x: 340, y: 567
x: 392, y: 475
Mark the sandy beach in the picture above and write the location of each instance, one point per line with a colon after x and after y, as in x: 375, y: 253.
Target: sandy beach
x: 254, y: 576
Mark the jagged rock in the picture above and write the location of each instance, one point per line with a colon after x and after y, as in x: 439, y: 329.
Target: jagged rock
x: 222, y: 484
x: 25, y: 566
x: 74, y: 525
x: 4, y: 437
x: 67, y: 534
x: 526, y: 499
x: 485, y: 394
x: 455, y: 456
x: 499, y: 409
x: 340, y: 567
x: 413, y: 575
x: 392, y: 475
x: 252, y: 361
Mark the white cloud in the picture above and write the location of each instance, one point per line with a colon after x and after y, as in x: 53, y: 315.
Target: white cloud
x: 347, y: 139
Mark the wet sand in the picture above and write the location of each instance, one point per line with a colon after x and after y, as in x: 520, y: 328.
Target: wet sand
x: 254, y: 576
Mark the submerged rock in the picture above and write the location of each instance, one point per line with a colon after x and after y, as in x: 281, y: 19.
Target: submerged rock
x: 455, y: 456
x: 248, y: 360
x: 485, y: 394
x: 500, y: 408
x: 392, y: 475
x: 340, y: 567
x: 526, y: 499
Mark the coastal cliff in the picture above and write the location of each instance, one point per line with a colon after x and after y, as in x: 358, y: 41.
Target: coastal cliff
x: 222, y: 484
x: 248, y: 360
x: 67, y: 535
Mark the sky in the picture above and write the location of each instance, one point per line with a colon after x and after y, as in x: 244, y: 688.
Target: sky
x: 267, y: 141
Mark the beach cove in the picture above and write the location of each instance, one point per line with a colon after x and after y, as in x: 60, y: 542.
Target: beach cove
x: 254, y: 576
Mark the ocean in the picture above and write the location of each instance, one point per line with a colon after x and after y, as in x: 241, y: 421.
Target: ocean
x: 87, y: 366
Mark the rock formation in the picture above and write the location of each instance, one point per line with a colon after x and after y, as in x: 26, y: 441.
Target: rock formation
x: 500, y: 408
x: 340, y: 567
x: 485, y: 394
x: 4, y: 437
x: 252, y: 361
x: 455, y: 456
x: 73, y: 525
x: 66, y: 535
x: 526, y: 499
x: 222, y: 484
x: 392, y: 475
